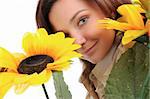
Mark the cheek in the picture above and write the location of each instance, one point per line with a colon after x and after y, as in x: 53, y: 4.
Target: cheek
x: 93, y: 32
x: 107, y: 35
x: 107, y: 38
x: 101, y: 34
x: 106, y: 41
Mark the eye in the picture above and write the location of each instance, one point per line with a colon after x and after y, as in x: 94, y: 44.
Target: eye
x: 82, y: 20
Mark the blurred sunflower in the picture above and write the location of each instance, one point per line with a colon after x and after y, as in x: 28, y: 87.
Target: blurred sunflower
x: 43, y: 54
x: 131, y: 22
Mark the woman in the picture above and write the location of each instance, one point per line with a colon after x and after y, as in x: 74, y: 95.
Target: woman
x: 100, y: 47
x: 79, y: 21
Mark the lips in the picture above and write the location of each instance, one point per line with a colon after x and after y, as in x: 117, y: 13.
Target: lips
x: 90, y: 48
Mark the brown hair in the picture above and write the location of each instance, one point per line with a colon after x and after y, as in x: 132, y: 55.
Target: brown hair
x: 44, y: 6
x: 109, y: 6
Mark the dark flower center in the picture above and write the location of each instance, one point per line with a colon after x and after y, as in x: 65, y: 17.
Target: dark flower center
x: 34, y: 64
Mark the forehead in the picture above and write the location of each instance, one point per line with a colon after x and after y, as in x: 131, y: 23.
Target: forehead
x: 63, y: 10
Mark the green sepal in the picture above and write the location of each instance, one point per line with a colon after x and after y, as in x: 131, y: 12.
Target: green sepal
x: 62, y: 91
x: 143, y: 39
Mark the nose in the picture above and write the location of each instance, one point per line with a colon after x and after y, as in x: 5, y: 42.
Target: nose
x: 80, y: 41
x: 79, y: 38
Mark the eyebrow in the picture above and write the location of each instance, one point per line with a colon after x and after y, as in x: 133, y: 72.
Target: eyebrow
x: 75, y: 15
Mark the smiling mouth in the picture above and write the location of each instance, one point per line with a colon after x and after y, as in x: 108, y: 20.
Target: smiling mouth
x: 89, y: 50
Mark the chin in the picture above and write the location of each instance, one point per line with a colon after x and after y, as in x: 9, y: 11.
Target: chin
x: 89, y: 60
x: 95, y: 59
x: 92, y: 61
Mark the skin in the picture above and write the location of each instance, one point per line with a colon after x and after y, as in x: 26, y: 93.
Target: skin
x: 78, y: 19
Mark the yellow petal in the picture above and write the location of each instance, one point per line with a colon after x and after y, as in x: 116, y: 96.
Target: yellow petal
x: 26, y: 43
x: 31, y: 43
x: 20, y: 88
x: 131, y: 35
x: 69, y: 40
x: 33, y: 79
x: 67, y: 50
x: 140, y: 9
x: 58, y: 35
x: 64, y: 59
x: 6, y: 82
x: 132, y: 15
x: 67, y: 57
x: 36, y: 43
x: 121, y: 19
x: 60, y: 45
x: 40, y: 43
x: 65, y: 44
x: 4, y: 90
x: 41, y: 32
x: 41, y: 78
x: 7, y: 60
x: 21, y: 78
x: 24, y: 81
x: 112, y: 24
x: 59, y: 67
x: 19, y: 57
x: 7, y: 77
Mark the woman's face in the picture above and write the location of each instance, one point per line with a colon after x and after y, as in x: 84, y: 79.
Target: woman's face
x: 78, y: 19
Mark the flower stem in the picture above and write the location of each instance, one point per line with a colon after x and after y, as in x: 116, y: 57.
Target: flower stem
x: 62, y: 90
x: 47, y: 97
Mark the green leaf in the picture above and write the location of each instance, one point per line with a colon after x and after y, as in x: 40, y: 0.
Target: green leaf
x: 129, y: 77
x: 145, y: 91
x: 61, y: 88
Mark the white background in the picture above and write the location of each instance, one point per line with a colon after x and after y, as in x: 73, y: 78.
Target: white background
x: 16, y: 18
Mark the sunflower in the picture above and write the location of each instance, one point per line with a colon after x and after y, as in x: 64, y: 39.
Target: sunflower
x: 43, y: 54
x: 131, y: 22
